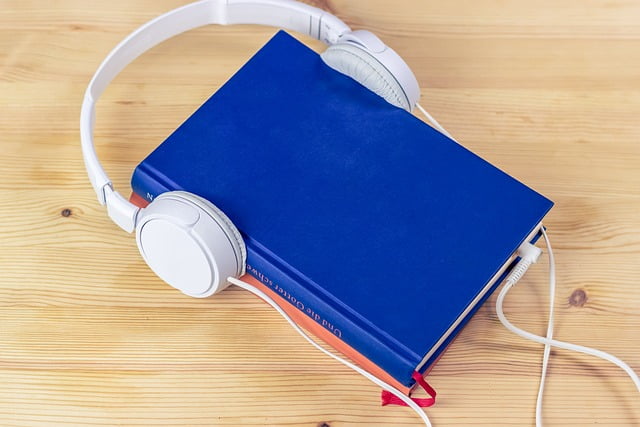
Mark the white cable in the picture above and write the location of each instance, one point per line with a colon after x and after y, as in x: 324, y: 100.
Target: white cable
x: 433, y: 121
x: 529, y: 254
x: 513, y: 278
x: 550, y: 322
x: 375, y: 380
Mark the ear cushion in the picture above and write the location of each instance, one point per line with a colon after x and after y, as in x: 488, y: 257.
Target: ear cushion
x: 361, y: 66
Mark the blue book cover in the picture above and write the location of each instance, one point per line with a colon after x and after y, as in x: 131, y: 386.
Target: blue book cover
x: 375, y: 225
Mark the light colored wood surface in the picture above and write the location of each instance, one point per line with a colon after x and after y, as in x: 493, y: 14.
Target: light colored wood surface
x: 548, y: 91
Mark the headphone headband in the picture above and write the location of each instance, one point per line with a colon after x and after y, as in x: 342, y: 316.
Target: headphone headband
x: 287, y: 14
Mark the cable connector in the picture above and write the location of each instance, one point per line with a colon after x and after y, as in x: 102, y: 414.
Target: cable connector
x: 528, y: 254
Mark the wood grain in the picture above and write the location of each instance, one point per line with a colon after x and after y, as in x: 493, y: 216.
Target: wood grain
x: 548, y: 91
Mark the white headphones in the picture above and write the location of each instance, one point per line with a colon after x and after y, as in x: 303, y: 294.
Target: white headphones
x: 189, y: 242
x: 186, y: 240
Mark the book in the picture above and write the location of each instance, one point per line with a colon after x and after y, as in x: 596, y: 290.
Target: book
x: 319, y: 330
x: 384, y: 232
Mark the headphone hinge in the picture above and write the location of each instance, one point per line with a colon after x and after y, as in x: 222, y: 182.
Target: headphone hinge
x: 120, y: 210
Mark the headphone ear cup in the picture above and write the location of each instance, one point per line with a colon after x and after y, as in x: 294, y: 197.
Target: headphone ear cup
x: 364, y: 68
x: 190, y: 244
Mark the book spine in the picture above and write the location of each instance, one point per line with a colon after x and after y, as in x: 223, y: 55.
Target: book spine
x: 328, y: 317
x: 145, y: 184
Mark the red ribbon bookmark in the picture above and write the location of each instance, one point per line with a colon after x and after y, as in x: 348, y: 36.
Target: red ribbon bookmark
x: 390, y: 399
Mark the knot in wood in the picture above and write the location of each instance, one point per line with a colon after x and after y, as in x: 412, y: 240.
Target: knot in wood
x: 578, y: 298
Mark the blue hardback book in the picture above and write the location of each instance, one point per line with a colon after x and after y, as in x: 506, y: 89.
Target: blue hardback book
x: 357, y: 212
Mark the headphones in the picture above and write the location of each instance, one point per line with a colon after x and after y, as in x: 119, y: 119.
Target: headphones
x: 190, y: 243
x: 186, y: 240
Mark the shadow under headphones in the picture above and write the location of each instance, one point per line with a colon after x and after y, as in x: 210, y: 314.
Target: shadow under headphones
x: 186, y: 240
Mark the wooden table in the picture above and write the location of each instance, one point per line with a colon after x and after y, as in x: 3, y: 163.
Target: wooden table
x: 548, y: 91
